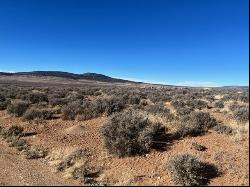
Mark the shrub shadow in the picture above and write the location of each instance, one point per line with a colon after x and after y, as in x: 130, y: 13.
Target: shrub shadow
x: 162, y: 141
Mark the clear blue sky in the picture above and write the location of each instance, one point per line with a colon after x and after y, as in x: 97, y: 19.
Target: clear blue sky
x: 170, y: 41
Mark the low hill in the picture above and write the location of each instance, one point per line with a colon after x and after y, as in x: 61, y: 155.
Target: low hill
x: 67, y: 75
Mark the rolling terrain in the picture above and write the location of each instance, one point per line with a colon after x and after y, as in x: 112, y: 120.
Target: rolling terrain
x: 78, y: 107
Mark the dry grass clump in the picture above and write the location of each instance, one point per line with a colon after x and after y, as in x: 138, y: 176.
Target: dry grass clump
x: 198, y: 147
x: 18, y: 143
x: 13, y: 136
x: 71, y: 159
x: 35, y: 153
x: 85, y: 174
x: 160, y: 110
x: 14, y: 130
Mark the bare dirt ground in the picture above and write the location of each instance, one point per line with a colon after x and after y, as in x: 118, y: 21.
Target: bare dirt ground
x: 63, y: 137
x: 16, y: 170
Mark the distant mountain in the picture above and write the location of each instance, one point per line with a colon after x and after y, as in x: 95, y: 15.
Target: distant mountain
x: 67, y: 75
x: 233, y: 87
x: 92, y: 77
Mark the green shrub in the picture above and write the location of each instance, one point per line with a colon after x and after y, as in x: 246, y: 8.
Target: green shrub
x: 18, y: 108
x: 129, y: 133
x: 4, y: 103
x: 70, y: 111
x: 197, y: 123
x: 222, y: 129
x: 37, y: 97
x: 134, y: 100
x: 188, y: 170
x: 184, y: 111
x: 196, y: 104
x: 35, y: 113
x: 219, y: 104
x: 114, y: 104
x: 241, y: 114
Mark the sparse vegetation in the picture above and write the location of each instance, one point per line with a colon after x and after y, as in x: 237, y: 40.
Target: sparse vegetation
x: 35, y: 153
x: 138, y: 119
x: 85, y: 174
x: 12, y: 131
x: 198, y: 147
x: 71, y: 159
x: 18, y: 143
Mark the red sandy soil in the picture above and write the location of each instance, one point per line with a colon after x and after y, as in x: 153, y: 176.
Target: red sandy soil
x: 230, y: 156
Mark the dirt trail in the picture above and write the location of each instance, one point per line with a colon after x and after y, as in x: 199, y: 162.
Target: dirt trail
x: 16, y: 170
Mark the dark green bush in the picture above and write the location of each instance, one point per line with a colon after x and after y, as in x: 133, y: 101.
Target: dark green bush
x: 4, y: 104
x: 102, y: 106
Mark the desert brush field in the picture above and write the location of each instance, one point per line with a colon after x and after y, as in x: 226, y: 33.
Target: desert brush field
x: 70, y: 132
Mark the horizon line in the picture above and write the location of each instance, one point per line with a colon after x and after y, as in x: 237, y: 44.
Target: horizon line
x: 187, y: 83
